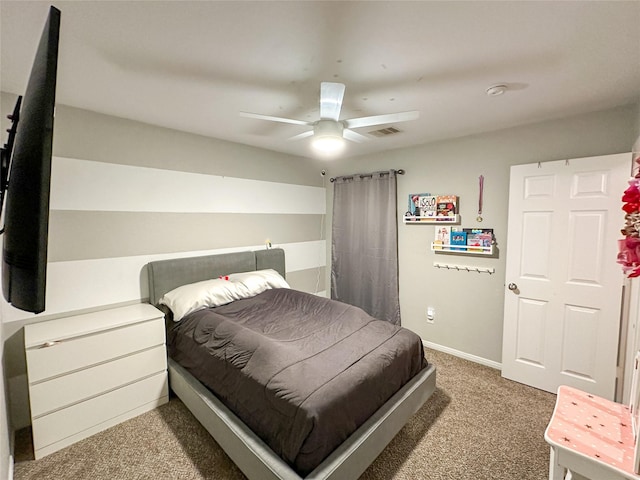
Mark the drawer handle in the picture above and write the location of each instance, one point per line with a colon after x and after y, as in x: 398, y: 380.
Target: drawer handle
x: 48, y: 344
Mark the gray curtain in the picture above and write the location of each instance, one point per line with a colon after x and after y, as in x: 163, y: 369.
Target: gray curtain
x: 364, y: 244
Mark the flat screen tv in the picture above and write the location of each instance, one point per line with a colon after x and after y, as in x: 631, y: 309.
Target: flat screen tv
x: 25, y: 177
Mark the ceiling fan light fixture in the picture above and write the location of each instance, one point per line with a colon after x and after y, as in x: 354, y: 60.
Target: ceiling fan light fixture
x: 328, y: 145
x: 327, y: 137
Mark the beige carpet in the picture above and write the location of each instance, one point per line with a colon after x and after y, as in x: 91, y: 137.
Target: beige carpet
x: 476, y: 426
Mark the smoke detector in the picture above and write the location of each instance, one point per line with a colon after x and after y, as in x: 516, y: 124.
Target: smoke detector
x: 496, y: 90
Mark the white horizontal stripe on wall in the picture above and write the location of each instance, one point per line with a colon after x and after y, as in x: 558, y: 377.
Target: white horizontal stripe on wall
x: 89, y: 284
x: 98, y: 186
x: 304, y: 255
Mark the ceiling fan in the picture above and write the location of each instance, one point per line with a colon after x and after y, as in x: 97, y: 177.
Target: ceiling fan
x: 329, y: 131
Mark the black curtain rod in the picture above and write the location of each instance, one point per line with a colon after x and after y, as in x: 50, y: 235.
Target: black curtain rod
x: 363, y: 175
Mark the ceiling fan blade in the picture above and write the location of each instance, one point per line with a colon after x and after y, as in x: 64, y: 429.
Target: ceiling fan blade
x: 301, y: 135
x: 331, y: 95
x: 354, y: 136
x: 274, y: 119
x: 381, y: 119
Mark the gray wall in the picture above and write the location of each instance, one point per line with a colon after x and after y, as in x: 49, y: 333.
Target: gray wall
x: 124, y: 193
x: 469, y: 306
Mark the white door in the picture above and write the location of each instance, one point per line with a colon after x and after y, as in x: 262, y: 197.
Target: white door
x: 563, y: 286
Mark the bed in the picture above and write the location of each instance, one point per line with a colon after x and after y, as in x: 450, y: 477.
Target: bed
x: 254, y: 456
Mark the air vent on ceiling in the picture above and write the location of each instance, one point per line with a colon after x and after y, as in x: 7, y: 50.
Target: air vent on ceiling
x: 383, y: 132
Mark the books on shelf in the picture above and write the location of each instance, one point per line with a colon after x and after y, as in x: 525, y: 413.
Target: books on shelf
x: 478, y: 237
x: 458, y: 237
x: 471, y: 240
x: 432, y: 208
x: 442, y: 236
x: 422, y: 205
x: 428, y: 206
x: 446, y: 205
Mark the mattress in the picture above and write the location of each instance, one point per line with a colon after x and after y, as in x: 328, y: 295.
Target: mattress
x: 302, y: 371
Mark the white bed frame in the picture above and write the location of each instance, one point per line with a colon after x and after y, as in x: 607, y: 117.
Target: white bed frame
x: 256, y: 460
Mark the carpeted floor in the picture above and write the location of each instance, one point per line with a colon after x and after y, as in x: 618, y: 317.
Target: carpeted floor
x: 476, y: 426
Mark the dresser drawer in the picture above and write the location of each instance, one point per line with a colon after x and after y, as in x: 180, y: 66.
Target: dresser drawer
x: 80, y: 352
x: 91, y: 414
x: 59, y: 392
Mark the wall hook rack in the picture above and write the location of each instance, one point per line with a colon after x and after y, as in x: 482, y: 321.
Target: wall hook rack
x: 466, y: 268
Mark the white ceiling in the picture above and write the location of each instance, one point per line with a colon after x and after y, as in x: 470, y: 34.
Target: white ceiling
x: 194, y: 65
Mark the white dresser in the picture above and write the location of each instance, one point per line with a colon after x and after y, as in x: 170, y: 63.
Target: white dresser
x: 89, y: 372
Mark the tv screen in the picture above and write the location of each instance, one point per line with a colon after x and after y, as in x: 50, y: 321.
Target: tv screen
x: 26, y: 215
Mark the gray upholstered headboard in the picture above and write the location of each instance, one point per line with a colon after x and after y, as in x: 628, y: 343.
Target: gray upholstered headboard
x: 165, y: 275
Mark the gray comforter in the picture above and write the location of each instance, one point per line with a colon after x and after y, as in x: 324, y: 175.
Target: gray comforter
x: 302, y: 371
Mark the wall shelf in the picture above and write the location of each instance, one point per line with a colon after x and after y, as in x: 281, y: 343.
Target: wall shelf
x: 462, y: 249
x: 451, y: 220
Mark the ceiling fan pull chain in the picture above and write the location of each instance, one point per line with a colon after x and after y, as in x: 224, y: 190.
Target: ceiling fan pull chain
x: 480, y: 194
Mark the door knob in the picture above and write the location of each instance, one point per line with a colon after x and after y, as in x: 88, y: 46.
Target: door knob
x: 513, y: 286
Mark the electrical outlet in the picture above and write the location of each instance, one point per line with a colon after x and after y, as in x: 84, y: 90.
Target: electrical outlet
x: 431, y: 314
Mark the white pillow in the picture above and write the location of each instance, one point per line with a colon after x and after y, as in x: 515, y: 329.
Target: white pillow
x: 220, y: 291
x: 195, y: 296
x: 252, y: 283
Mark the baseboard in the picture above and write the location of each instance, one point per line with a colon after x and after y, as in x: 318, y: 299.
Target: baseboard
x: 467, y: 356
x: 12, y: 449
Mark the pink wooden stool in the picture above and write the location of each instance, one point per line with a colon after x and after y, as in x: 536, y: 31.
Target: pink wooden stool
x: 592, y: 437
